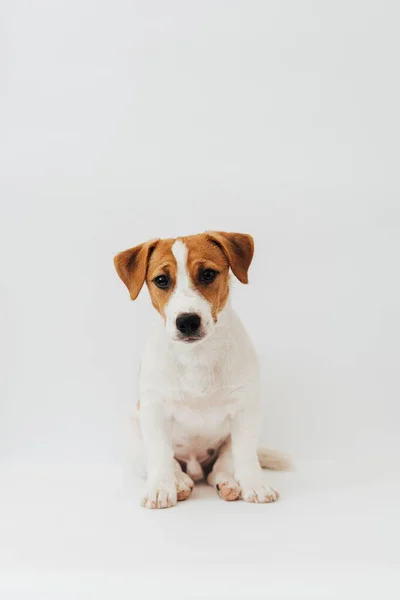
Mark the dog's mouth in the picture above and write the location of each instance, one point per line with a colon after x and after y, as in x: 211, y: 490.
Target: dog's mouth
x: 193, y: 339
x: 190, y: 340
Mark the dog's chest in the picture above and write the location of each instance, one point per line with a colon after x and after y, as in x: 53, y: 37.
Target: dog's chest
x: 199, y: 429
x: 201, y: 408
x: 197, y: 380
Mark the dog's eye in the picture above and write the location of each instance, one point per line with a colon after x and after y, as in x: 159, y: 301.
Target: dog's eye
x: 208, y: 275
x: 162, y: 281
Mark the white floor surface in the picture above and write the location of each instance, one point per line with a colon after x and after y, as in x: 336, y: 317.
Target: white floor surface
x: 79, y: 532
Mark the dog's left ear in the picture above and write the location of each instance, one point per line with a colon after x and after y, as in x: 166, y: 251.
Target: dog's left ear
x: 239, y: 250
x: 131, y: 266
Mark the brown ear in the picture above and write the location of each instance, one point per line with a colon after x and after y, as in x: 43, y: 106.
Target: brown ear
x: 131, y: 266
x: 239, y: 250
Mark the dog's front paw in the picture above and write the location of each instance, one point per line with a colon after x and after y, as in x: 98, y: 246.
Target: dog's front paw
x: 258, y: 492
x: 160, y: 494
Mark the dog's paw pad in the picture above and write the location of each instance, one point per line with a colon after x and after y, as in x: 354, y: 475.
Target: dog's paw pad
x: 228, y: 490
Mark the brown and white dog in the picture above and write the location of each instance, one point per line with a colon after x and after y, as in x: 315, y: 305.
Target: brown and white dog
x: 199, y: 379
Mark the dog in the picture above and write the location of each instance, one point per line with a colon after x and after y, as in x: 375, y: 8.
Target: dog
x: 199, y: 393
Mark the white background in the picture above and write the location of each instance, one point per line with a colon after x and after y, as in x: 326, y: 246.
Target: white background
x: 127, y: 120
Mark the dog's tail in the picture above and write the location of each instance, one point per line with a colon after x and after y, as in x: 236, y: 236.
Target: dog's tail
x: 274, y: 460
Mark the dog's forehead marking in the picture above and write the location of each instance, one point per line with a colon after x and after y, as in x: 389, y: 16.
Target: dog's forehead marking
x: 180, y: 252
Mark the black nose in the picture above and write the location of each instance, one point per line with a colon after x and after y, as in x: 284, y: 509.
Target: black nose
x: 188, y: 323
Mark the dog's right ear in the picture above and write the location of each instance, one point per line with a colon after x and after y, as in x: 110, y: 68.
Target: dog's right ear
x: 131, y: 266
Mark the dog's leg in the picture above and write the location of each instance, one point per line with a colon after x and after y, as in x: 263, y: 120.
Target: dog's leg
x: 184, y: 484
x: 247, y: 467
x: 161, y: 485
x: 221, y: 476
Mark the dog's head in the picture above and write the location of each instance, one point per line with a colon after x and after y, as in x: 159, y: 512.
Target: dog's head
x: 187, y: 277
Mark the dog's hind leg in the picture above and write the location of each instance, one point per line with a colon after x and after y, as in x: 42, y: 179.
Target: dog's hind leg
x: 184, y: 484
x: 221, y: 476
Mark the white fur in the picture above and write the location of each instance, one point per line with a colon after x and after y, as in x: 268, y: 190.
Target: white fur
x: 200, y: 397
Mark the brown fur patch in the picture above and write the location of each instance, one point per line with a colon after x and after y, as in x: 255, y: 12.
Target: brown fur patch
x: 161, y: 262
x: 239, y: 250
x: 213, y: 250
x: 203, y: 254
x: 131, y: 266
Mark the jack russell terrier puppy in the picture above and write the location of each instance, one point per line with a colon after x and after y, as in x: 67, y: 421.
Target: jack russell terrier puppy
x: 199, y: 390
